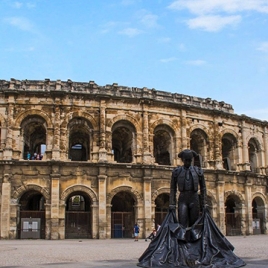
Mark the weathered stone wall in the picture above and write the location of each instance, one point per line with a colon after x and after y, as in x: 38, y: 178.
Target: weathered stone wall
x: 148, y: 125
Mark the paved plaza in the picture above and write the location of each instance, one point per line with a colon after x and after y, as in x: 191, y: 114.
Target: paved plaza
x: 107, y: 253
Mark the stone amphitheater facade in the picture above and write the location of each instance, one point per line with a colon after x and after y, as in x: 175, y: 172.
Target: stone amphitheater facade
x: 107, y: 157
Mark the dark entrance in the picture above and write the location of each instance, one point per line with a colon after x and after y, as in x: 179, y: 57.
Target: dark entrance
x: 258, y: 216
x: 78, y: 217
x: 32, y: 206
x: 161, y: 208
x: 122, y: 218
x: 232, y: 217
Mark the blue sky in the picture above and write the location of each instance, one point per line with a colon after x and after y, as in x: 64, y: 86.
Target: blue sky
x: 203, y: 48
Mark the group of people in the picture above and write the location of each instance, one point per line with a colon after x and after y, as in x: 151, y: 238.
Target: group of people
x: 35, y: 156
x: 151, y: 236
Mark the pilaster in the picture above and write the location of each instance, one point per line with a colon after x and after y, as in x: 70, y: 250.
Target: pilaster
x: 248, y: 207
x: 102, y: 207
x: 147, y: 193
x: 55, y: 197
x: 5, y: 209
x: 221, y: 205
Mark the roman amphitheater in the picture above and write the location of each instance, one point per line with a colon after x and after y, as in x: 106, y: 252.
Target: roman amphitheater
x: 79, y: 160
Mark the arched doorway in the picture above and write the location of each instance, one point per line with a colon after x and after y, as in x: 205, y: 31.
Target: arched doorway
x: 122, y: 215
x: 233, y: 215
x: 32, y: 223
x: 78, y: 220
x: 161, y: 207
x: 258, y: 215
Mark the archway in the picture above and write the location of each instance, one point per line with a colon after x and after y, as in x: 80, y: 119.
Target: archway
x: 229, y: 153
x: 161, y: 207
x: 233, y: 215
x: 123, y: 141
x: 122, y: 215
x: 199, y: 143
x: 163, y: 144
x: 32, y: 221
x: 78, y: 219
x: 258, y: 215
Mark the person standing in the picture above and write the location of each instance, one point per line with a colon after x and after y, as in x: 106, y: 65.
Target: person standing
x: 136, y: 232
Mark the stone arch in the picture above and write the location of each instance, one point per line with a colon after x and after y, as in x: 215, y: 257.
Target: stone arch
x: 229, y: 131
x: 234, y: 193
x: 261, y: 196
x: 164, y: 121
x: 124, y: 141
x: 162, y: 190
x: 126, y: 117
x: 255, y: 156
x: 33, y: 112
x: 199, y: 142
x: 79, y: 188
x: 255, y: 139
x: 198, y: 126
x: 17, y: 194
x: 83, y: 114
x: 135, y: 194
x: 229, y: 149
x: 163, y: 144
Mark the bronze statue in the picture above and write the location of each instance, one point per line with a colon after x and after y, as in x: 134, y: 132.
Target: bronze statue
x: 193, y: 241
x: 186, y: 179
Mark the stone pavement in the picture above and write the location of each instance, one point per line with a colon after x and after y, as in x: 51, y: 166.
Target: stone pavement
x: 108, y: 253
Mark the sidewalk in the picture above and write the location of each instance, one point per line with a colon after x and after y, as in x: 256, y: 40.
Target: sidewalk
x: 108, y: 253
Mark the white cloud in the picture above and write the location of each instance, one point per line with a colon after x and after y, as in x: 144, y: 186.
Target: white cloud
x: 149, y: 20
x: 213, y: 23
x: 196, y: 62
x: 21, y: 23
x: 127, y: 2
x: 168, y: 59
x: 130, y: 32
x: 17, y: 4
x: 263, y: 47
x: 164, y: 40
x: 107, y: 27
x: 214, y: 6
x: 218, y: 12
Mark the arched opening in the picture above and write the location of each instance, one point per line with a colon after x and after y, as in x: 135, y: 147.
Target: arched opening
x: 253, y: 155
x: 199, y: 143
x: 233, y: 215
x: 229, y: 145
x: 258, y: 216
x: 122, y: 215
x: 163, y: 143
x: 123, y: 142
x: 78, y: 220
x: 79, y: 139
x: 34, y: 136
x: 161, y: 208
x: 32, y: 221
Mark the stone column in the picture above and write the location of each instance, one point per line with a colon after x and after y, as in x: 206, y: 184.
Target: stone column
x: 55, y: 197
x: 265, y: 143
x: 184, y: 138
x: 102, y: 138
x: 5, y: 208
x: 243, y: 219
x: 146, y: 157
x: 246, y: 164
x: 221, y: 205
x: 56, y: 142
x: 248, y: 208
x: 48, y: 219
x: 102, y: 207
x: 109, y: 220
x: 217, y: 146
x: 147, y: 195
x: 95, y: 220
x: 8, y: 150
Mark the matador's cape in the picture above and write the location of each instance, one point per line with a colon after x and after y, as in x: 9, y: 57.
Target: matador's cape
x: 201, y: 246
